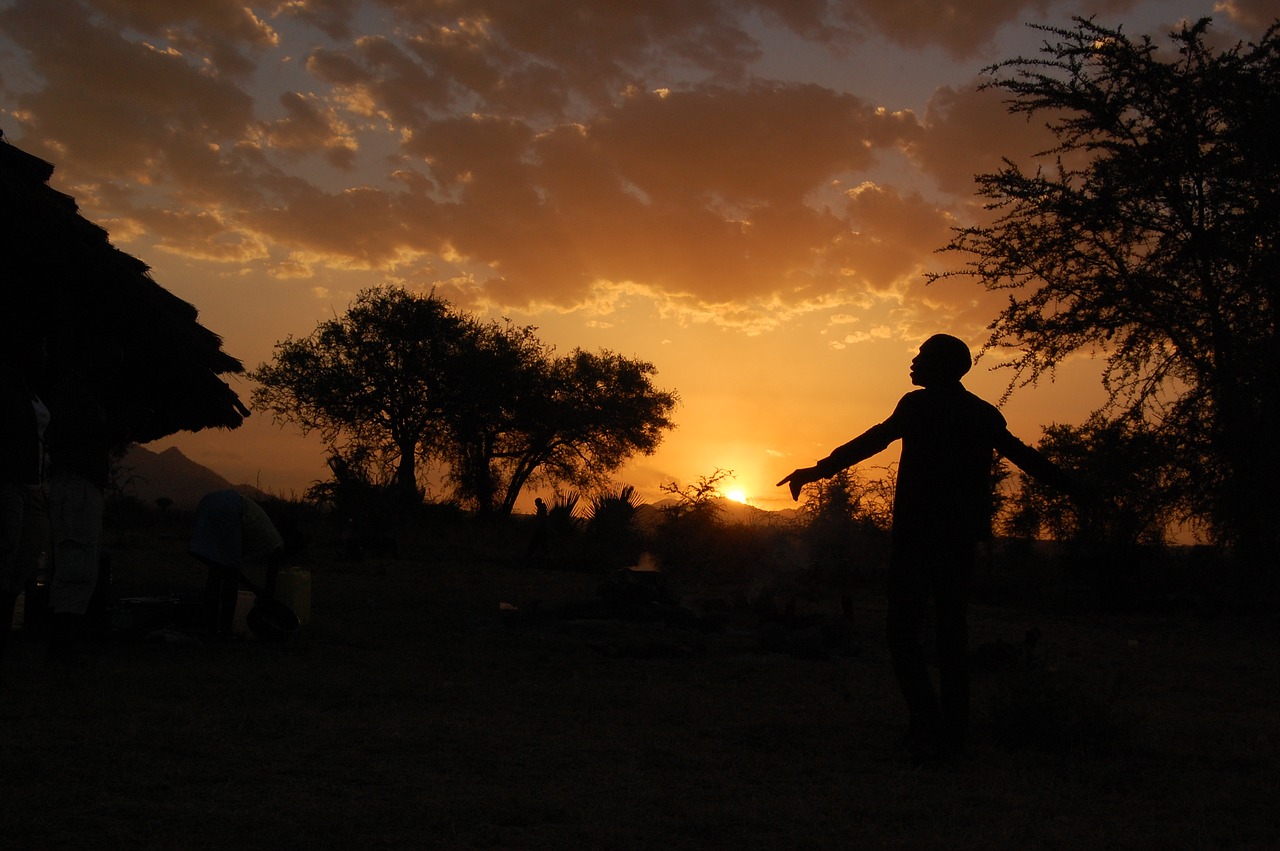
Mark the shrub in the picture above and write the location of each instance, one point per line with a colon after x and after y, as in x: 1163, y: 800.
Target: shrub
x: 611, y: 527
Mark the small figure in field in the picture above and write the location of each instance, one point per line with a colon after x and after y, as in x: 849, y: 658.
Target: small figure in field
x: 942, y: 509
x: 539, y: 545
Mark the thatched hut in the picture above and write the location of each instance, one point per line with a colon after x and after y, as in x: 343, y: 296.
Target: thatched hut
x: 65, y: 281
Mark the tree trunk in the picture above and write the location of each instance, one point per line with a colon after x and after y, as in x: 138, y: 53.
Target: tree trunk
x: 1251, y: 499
x: 406, y: 484
x: 519, y: 477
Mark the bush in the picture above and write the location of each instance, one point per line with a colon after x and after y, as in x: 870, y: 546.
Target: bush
x: 611, y: 528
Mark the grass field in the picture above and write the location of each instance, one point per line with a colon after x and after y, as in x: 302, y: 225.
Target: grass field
x: 409, y: 714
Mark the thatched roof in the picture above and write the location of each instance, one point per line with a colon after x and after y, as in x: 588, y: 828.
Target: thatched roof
x: 62, y: 277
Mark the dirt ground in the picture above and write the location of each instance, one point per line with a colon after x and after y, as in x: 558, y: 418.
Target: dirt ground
x: 411, y: 711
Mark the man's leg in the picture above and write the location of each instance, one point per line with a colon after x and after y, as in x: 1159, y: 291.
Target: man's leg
x: 221, y: 589
x: 908, y: 595
x: 951, y: 601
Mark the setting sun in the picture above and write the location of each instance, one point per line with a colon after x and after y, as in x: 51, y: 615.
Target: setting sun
x: 737, y: 495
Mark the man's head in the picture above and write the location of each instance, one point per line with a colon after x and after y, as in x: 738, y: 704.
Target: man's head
x: 942, y: 359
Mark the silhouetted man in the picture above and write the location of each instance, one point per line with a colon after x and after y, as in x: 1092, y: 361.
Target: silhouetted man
x: 942, y: 508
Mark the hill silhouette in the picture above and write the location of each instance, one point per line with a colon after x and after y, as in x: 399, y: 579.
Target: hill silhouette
x: 170, y: 474
x: 648, y: 515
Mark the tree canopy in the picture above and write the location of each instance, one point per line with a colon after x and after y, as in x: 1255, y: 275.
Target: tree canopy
x: 411, y: 379
x: 1127, y: 469
x: 1151, y: 234
x: 570, y: 420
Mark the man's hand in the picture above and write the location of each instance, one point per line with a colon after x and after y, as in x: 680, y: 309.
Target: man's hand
x: 797, y: 479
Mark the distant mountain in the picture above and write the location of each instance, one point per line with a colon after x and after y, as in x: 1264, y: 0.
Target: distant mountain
x: 750, y: 515
x: 648, y: 515
x: 150, y: 475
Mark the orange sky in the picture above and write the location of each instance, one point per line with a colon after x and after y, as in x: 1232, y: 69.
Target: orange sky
x: 745, y: 193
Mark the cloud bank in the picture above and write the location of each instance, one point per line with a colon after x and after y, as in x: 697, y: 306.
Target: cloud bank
x: 545, y: 154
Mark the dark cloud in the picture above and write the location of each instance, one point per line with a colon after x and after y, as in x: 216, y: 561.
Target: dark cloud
x: 223, y: 31
x: 114, y: 105
x: 543, y: 151
x: 307, y: 127
x: 961, y: 27
x: 1255, y: 14
x: 335, y: 18
x: 968, y: 131
x: 388, y: 79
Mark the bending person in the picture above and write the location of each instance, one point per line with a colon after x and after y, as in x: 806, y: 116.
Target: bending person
x: 230, y: 532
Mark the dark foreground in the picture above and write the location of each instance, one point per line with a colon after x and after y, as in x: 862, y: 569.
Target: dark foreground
x: 409, y: 714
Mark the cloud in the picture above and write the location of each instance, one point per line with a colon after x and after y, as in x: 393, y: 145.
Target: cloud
x: 879, y: 332
x: 710, y: 215
x: 893, y: 237
x: 597, y: 47
x: 360, y: 228
x: 296, y: 268
x: 1254, y: 14
x: 221, y: 18
x: 537, y: 155
x: 969, y: 130
x: 309, y: 126
x: 379, y: 72
x: 220, y: 31
x: 332, y: 17
x: 963, y: 28
x: 113, y: 106
x: 202, y: 236
x: 533, y: 58
x: 701, y: 192
x: 769, y: 142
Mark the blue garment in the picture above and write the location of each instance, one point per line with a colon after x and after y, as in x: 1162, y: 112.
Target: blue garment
x: 231, y: 528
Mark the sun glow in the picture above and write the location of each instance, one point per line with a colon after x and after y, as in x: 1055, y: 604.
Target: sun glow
x: 737, y: 495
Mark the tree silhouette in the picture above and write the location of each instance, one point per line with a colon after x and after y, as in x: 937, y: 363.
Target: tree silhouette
x: 1152, y: 235
x: 698, y: 501
x: 570, y: 420
x: 1128, y: 469
x: 372, y: 378
x: 401, y: 379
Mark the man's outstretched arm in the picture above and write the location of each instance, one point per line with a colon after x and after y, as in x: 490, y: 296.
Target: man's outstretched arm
x: 1034, y: 464
x: 862, y: 447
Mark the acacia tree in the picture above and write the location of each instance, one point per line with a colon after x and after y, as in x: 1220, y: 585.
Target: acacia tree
x: 409, y: 378
x: 1151, y: 233
x: 569, y: 420
x: 372, y: 381
x: 505, y: 365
